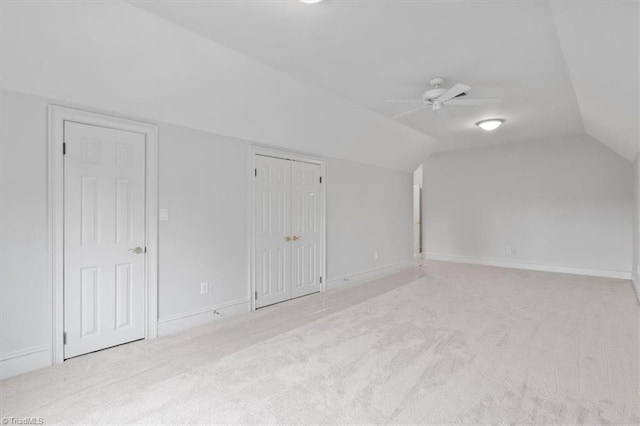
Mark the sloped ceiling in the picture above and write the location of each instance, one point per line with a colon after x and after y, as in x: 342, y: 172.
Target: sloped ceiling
x: 600, y: 41
x: 315, y: 77
x: 551, y: 66
x: 116, y: 57
x: 369, y: 51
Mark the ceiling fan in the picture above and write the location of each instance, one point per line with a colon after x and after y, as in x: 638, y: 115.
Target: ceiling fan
x: 439, y: 97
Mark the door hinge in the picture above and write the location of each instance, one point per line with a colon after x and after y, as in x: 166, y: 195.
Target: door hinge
x: 256, y: 295
x: 255, y: 172
x: 320, y: 179
x: 64, y: 148
x: 64, y: 338
x: 145, y: 249
x: 320, y: 280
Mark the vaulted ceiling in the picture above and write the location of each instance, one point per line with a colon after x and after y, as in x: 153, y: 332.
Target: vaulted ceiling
x: 315, y: 77
x: 368, y: 52
x: 558, y: 67
x: 601, y: 45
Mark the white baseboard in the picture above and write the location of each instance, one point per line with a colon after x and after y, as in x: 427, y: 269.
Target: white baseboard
x: 176, y: 323
x: 19, y: 362
x: 368, y: 274
x: 605, y: 273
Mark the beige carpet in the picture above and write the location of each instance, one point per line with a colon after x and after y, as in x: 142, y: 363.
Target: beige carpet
x: 454, y: 344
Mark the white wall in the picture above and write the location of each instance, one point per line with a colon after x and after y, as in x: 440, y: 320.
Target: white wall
x: 24, y: 288
x: 369, y: 209
x: 203, y: 183
x: 562, y: 203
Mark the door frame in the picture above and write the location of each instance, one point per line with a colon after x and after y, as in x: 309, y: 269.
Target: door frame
x: 58, y: 115
x: 286, y: 155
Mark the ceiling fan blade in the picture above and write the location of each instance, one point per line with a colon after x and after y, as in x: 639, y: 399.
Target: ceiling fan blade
x: 402, y: 114
x: 456, y: 90
x: 404, y: 101
x: 472, y: 102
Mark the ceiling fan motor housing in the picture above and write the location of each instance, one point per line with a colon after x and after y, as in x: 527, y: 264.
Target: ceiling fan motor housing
x: 437, y: 81
x: 432, y: 94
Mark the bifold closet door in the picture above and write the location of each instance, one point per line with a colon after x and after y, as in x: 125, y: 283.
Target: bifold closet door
x: 272, y: 230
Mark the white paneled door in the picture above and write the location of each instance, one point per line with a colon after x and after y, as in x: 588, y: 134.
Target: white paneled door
x: 306, y: 228
x: 272, y: 230
x: 288, y: 229
x: 104, y: 238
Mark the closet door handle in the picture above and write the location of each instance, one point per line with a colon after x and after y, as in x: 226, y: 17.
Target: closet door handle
x: 296, y: 238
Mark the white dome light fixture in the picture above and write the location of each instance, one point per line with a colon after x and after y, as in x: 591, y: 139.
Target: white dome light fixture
x: 310, y: 1
x: 490, y: 124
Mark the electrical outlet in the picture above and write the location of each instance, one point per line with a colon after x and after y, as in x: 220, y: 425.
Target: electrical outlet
x: 375, y: 254
x: 511, y: 250
x: 204, y: 288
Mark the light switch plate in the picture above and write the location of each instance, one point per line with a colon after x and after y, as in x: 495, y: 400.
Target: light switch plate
x: 204, y: 288
x: 164, y: 215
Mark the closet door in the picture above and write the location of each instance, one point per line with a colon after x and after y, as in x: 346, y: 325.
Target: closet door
x: 306, y: 228
x: 272, y: 230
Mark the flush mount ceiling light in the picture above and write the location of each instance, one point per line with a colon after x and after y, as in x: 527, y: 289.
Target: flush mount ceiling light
x: 310, y: 1
x: 490, y: 124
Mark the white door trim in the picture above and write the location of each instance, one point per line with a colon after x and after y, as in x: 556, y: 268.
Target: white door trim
x: 255, y: 151
x: 57, y: 117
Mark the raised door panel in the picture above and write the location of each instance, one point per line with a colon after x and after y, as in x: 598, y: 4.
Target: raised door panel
x: 90, y: 210
x: 90, y: 301
x: 123, y: 210
x: 124, y: 295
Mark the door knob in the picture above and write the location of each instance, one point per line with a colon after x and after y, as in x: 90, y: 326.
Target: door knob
x: 136, y: 250
x: 287, y: 238
x: 296, y: 238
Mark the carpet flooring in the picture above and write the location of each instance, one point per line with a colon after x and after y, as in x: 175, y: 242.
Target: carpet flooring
x: 440, y: 343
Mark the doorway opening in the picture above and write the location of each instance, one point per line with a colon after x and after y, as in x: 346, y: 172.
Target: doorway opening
x: 417, y: 212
